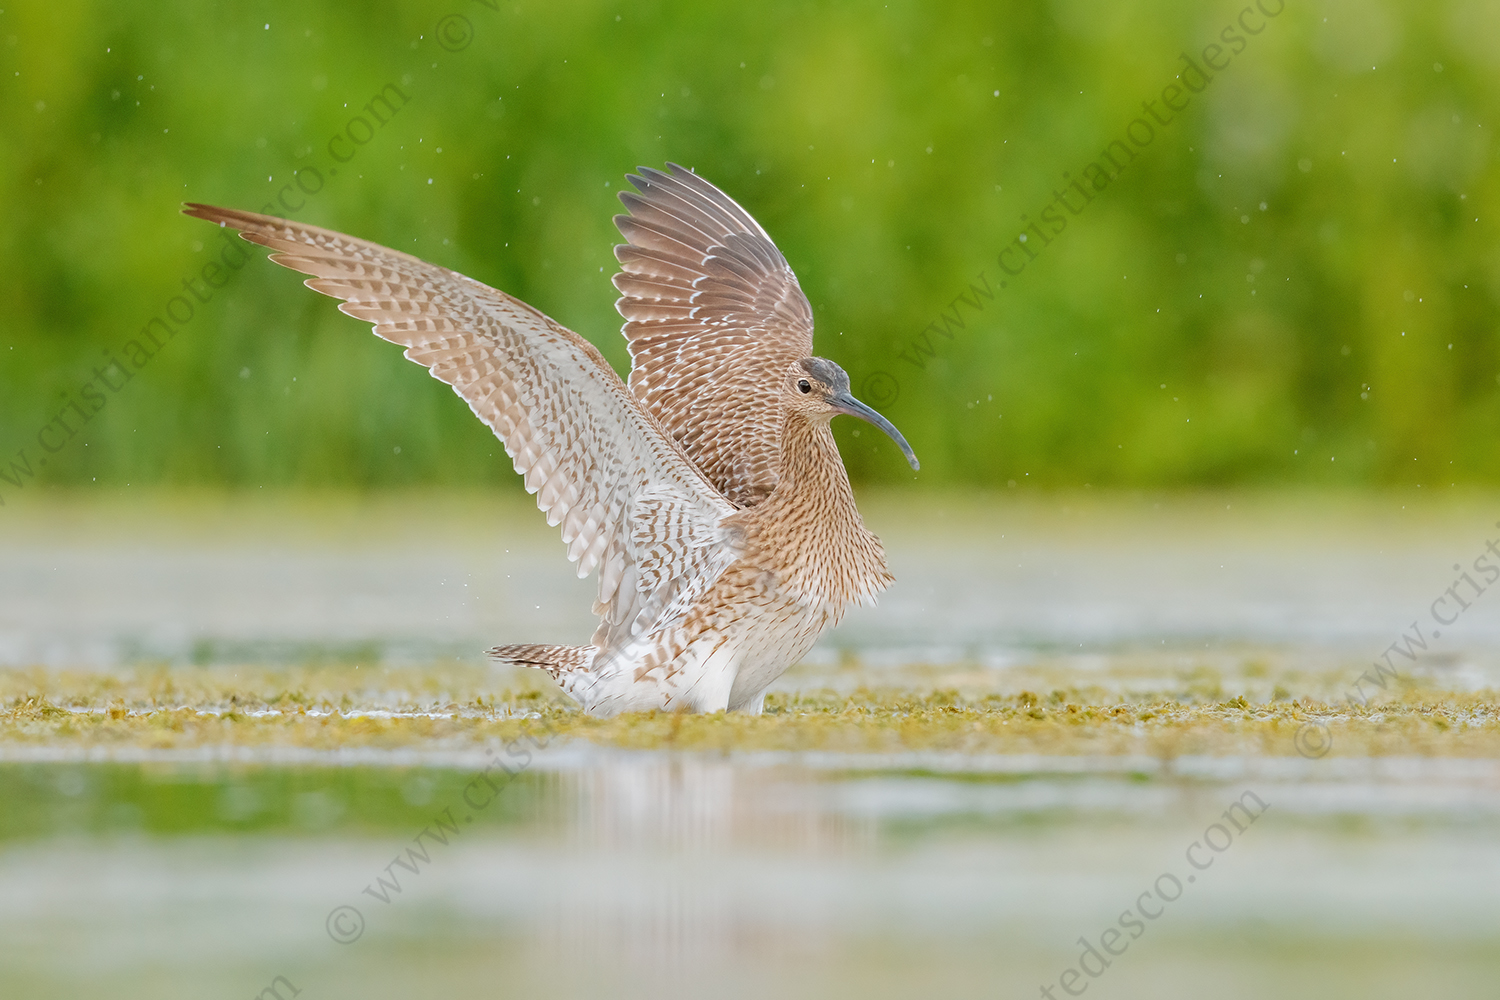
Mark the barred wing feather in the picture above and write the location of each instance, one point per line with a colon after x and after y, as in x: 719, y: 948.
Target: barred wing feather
x: 713, y: 316
x: 585, y: 446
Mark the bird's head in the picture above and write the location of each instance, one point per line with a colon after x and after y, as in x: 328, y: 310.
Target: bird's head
x: 819, y: 390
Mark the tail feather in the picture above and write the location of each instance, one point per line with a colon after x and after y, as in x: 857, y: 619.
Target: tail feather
x: 556, y: 660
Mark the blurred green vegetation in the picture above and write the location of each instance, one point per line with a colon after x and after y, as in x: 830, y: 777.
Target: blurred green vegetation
x: 53, y: 800
x: 1298, y: 281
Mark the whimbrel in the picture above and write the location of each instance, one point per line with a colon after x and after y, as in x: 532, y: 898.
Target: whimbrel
x: 708, y: 493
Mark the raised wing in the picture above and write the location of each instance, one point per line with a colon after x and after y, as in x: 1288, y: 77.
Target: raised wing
x: 597, y: 461
x: 713, y: 315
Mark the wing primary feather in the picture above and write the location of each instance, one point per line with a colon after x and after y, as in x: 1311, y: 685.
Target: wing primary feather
x: 713, y: 310
x: 576, y: 434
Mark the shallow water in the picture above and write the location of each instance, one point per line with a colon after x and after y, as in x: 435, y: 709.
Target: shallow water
x: 213, y: 870
x: 639, y: 873
x: 987, y: 580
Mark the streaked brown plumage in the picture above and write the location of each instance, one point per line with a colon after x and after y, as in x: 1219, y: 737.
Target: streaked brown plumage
x: 713, y: 315
x: 708, y: 493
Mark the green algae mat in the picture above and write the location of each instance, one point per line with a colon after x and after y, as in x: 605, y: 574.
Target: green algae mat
x: 1134, y: 707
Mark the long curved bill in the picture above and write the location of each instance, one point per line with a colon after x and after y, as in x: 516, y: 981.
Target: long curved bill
x: 845, y: 403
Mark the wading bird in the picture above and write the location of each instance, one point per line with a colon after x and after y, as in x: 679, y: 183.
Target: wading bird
x: 708, y: 493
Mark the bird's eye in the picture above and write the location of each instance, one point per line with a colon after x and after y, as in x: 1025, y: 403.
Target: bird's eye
x: 804, y: 385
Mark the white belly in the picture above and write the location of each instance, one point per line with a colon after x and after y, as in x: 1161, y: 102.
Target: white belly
x: 729, y: 668
x: 771, y: 640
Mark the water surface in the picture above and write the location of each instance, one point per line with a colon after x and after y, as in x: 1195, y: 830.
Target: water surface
x: 148, y: 869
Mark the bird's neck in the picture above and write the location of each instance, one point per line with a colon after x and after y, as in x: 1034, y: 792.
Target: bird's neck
x: 811, y: 469
x: 809, y: 526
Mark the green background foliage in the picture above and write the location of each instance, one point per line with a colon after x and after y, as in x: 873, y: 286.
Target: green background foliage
x: 1298, y: 280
